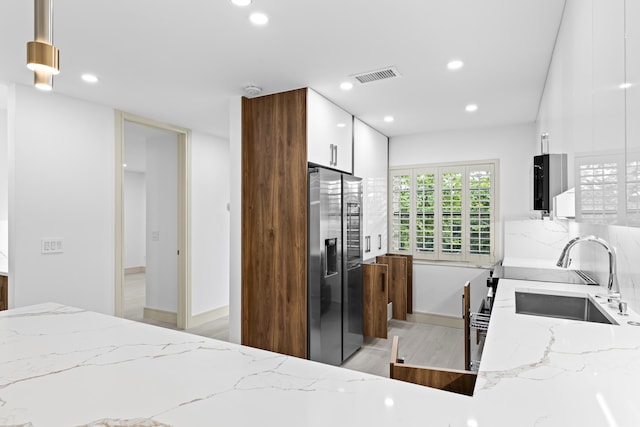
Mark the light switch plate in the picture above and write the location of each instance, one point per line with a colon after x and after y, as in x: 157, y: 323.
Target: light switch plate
x: 51, y: 246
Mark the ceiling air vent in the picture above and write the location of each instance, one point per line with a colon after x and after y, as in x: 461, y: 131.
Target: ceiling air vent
x: 382, y: 74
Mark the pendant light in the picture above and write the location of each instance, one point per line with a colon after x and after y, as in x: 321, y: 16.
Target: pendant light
x: 42, y: 56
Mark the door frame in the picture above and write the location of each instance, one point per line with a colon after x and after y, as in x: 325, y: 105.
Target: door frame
x: 184, y: 318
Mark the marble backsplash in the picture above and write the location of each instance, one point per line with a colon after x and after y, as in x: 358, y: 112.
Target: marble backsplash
x: 539, y: 242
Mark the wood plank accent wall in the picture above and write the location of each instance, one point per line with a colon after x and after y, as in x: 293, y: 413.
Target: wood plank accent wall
x: 397, y: 284
x: 274, y: 223
x: 375, y: 288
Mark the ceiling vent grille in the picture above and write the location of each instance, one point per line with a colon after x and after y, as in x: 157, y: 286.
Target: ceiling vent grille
x: 373, y: 76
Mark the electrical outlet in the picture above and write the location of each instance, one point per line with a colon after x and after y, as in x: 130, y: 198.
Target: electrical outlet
x: 51, y: 246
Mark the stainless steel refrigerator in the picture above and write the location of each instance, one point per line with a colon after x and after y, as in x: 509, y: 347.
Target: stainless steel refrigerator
x: 334, y: 280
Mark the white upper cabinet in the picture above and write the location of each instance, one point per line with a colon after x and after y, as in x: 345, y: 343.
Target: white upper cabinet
x: 371, y: 159
x: 329, y: 134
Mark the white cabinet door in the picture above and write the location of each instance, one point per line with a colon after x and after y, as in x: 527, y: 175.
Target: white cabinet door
x: 329, y: 134
x: 371, y: 158
x: 632, y: 62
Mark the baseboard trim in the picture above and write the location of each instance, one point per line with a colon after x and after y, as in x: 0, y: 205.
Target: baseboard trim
x: 160, y: 315
x: 134, y: 270
x: 209, y: 316
x: 436, y: 319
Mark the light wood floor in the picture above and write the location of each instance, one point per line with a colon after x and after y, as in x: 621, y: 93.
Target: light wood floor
x: 420, y: 343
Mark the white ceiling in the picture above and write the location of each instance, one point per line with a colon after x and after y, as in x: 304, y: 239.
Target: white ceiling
x: 180, y: 61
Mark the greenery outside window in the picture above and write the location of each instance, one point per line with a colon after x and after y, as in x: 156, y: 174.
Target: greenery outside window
x: 445, y: 212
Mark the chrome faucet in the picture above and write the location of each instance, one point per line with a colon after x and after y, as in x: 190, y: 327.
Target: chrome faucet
x: 564, y: 260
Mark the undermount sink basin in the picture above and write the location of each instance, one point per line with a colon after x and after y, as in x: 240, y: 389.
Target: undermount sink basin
x: 561, y: 306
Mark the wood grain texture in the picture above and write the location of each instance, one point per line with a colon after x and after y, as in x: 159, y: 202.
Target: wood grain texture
x: 466, y: 297
x: 397, y: 284
x: 453, y: 380
x: 274, y: 223
x: 375, y: 287
x: 409, y: 280
x: 4, y: 292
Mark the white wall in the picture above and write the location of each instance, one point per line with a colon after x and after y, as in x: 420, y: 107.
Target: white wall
x: 4, y: 187
x: 61, y: 185
x: 161, y: 290
x: 437, y: 289
x: 209, y: 223
x: 4, y: 177
x: 135, y: 219
x: 235, y: 245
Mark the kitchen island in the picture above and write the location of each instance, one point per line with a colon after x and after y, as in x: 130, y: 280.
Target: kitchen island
x: 62, y: 366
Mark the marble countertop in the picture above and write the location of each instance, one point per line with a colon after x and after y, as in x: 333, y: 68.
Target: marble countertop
x: 61, y: 366
x: 543, y: 371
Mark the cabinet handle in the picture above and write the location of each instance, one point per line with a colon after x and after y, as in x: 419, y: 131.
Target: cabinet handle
x: 383, y: 276
x: 367, y: 239
x: 335, y: 147
x: 379, y: 241
x: 331, y: 148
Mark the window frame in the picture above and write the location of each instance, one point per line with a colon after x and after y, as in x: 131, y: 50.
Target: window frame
x: 465, y: 257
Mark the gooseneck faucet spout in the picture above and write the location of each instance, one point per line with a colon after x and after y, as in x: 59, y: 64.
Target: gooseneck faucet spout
x: 564, y: 259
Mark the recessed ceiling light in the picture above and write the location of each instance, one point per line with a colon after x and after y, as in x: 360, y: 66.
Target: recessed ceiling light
x: 625, y: 86
x: 342, y: 125
x: 388, y: 119
x: 346, y: 85
x: 241, y: 3
x: 471, y: 108
x: 89, y: 78
x: 456, y: 64
x: 258, y: 18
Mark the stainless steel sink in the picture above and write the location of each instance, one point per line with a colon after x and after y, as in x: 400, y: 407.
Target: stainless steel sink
x: 561, y: 306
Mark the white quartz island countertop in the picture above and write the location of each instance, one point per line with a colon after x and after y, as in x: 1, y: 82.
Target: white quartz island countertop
x: 61, y: 366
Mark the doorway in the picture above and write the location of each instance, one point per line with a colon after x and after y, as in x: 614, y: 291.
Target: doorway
x: 152, y: 274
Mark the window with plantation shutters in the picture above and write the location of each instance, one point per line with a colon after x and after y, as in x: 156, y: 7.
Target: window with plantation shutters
x: 425, y: 205
x: 480, y: 211
x: 445, y: 212
x: 400, y: 217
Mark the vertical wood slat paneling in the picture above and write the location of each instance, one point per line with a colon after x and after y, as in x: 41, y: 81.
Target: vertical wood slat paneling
x: 274, y: 223
x: 397, y: 284
x: 375, y: 287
